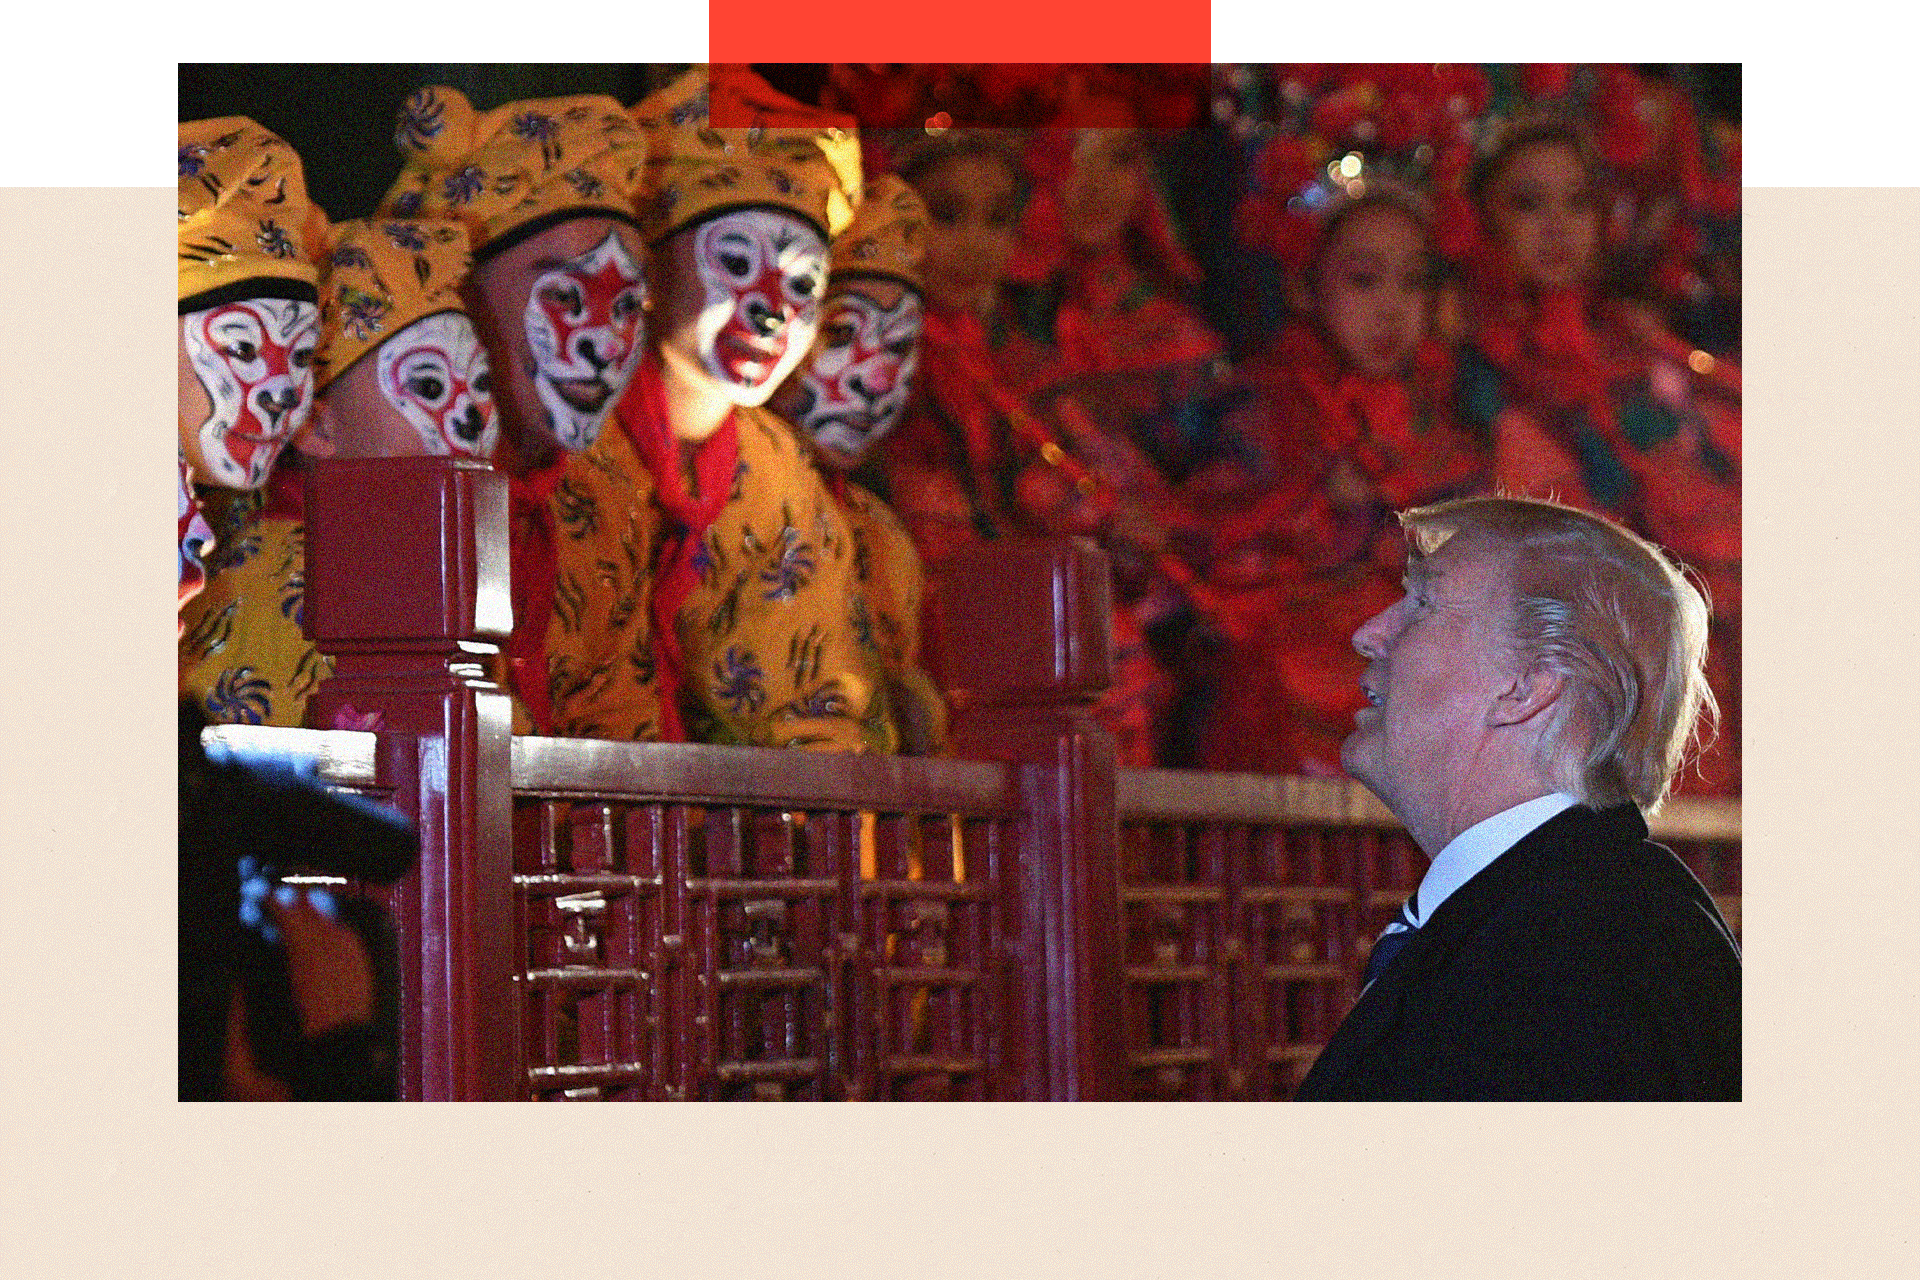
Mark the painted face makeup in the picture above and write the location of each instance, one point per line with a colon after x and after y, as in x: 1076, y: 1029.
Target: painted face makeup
x: 254, y: 358
x: 435, y: 374
x: 761, y: 277
x: 859, y: 373
x: 583, y: 322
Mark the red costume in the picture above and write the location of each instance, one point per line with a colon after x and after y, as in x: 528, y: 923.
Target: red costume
x: 972, y: 461
x: 1594, y: 402
x: 1310, y: 548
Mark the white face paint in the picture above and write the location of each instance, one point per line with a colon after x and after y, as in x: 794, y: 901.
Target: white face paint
x: 255, y: 359
x: 583, y: 323
x: 859, y: 372
x: 435, y: 374
x: 761, y: 275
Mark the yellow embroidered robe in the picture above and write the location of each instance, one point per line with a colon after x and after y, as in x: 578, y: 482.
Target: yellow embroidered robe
x: 777, y: 653
x: 243, y: 657
x: 601, y: 672
x: 887, y: 569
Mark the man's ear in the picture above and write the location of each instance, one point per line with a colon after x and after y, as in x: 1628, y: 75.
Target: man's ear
x: 1532, y: 692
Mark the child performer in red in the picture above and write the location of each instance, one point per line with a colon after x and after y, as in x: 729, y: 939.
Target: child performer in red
x: 951, y: 463
x: 1349, y: 423
x: 1590, y: 398
x: 975, y: 460
x: 1099, y: 284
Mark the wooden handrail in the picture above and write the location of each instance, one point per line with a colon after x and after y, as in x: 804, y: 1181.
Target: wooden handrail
x: 1063, y: 940
x: 690, y: 773
x: 338, y: 757
x: 696, y: 774
x: 1178, y: 794
x: 1697, y: 818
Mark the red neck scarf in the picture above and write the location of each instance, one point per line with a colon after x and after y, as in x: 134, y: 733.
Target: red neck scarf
x: 642, y: 414
x: 1542, y: 340
x: 1560, y: 351
x: 953, y: 353
x: 533, y: 560
x: 1347, y: 404
x: 286, y: 496
x: 836, y: 481
x: 1357, y: 414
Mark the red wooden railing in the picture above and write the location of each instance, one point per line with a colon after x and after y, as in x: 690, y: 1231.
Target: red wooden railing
x: 1251, y: 903
x: 666, y: 921
x: 698, y: 923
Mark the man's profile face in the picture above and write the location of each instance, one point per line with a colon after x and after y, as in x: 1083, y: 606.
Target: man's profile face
x: 561, y: 314
x: 1437, y: 659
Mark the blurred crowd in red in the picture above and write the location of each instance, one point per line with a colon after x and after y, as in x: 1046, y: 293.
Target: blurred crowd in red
x: 1227, y: 320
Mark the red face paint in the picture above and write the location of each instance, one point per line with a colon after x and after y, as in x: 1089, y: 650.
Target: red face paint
x: 255, y: 359
x: 858, y: 373
x: 762, y: 274
x: 583, y: 322
x: 435, y: 373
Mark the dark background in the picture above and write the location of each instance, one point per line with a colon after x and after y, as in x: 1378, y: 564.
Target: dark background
x: 339, y: 118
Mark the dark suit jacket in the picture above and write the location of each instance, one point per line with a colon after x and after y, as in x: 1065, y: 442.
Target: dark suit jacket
x: 1584, y: 962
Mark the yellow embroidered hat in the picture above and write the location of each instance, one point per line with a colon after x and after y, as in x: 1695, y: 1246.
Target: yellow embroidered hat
x: 380, y: 276
x: 888, y: 235
x: 722, y: 138
x: 247, y: 228
x: 514, y: 171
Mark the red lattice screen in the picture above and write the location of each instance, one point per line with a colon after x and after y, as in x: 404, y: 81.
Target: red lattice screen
x: 1250, y: 904
x: 625, y: 920
x: 761, y: 944
x: 726, y: 923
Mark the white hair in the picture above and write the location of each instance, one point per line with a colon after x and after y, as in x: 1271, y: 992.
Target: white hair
x: 1617, y: 618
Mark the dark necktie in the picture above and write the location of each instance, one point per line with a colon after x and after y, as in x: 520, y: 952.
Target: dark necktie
x: 1398, y: 933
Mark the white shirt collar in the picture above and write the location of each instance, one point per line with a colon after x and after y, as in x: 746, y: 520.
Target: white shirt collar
x: 1470, y: 851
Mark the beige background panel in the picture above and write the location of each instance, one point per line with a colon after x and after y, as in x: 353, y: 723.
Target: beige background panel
x: 1813, y: 1175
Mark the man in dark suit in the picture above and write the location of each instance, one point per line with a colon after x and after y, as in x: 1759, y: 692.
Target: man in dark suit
x: 1532, y: 695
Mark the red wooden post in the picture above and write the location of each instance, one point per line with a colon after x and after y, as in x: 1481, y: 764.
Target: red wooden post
x: 1024, y: 631
x: 407, y: 590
